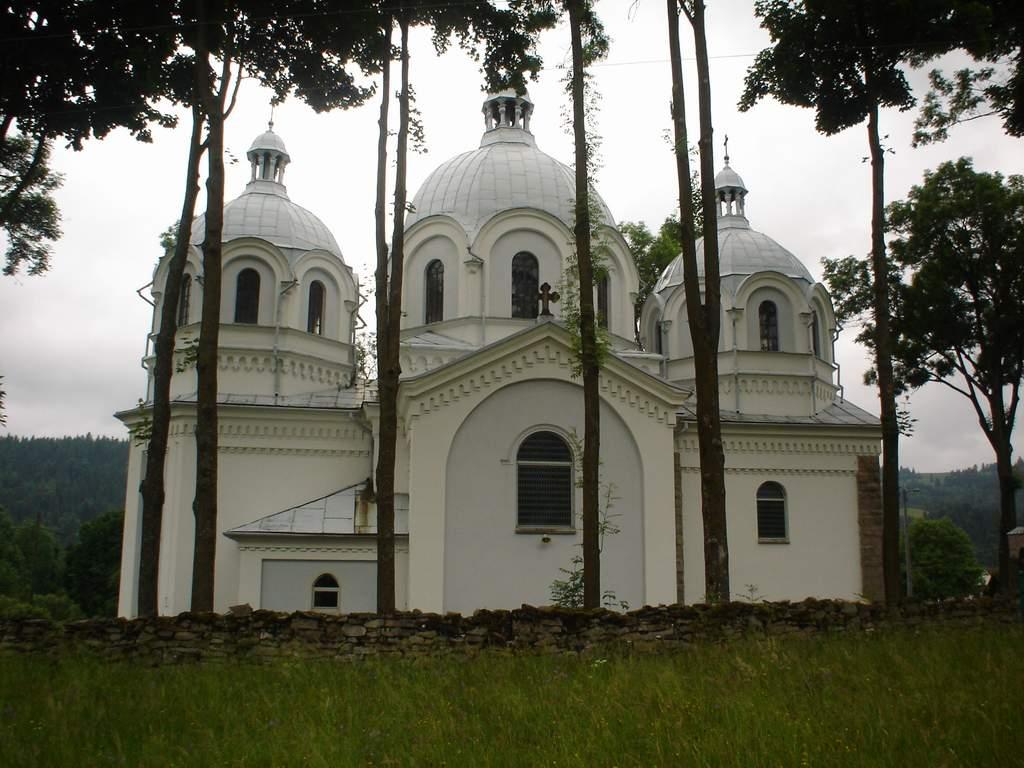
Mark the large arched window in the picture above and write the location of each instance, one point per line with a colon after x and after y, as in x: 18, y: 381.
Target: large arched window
x: 525, y: 285
x: 768, y: 320
x: 315, y: 316
x: 247, y: 297
x: 433, y: 300
x: 815, y: 335
x: 544, y: 482
x: 326, y: 593
x: 771, y: 513
x: 602, y: 301
x: 184, y: 299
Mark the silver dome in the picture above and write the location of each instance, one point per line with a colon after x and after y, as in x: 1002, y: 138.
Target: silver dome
x: 506, y: 172
x: 265, y: 211
x: 268, y: 141
x: 741, y: 251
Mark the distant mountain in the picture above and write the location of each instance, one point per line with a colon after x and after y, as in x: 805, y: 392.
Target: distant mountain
x: 63, y: 481
x: 969, y: 497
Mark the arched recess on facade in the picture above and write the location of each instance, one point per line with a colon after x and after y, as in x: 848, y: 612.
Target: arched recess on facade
x: 650, y: 323
x: 481, y: 507
x: 523, y: 230
x: 436, y: 239
x: 272, y: 267
x: 623, y: 281
x: 790, y: 307
x: 820, y: 303
x: 193, y: 269
x: 340, y: 295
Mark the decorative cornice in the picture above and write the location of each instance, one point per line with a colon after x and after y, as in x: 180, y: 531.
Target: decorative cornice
x: 777, y: 445
x: 354, y: 549
x: 774, y: 471
x: 282, y: 451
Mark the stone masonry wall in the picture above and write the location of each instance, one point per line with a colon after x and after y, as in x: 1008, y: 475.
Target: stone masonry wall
x: 265, y: 635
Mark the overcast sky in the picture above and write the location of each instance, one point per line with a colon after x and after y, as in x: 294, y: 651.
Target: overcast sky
x: 73, y: 339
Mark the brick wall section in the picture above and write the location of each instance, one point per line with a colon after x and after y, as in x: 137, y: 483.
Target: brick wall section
x: 869, y: 518
x: 265, y: 635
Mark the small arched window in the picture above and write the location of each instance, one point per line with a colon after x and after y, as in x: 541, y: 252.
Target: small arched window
x: 544, y: 482
x: 326, y: 593
x: 525, y: 285
x: 184, y: 299
x: 771, y: 513
x: 602, y: 301
x: 815, y: 335
x: 247, y: 297
x: 768, y: 319
x: 315, y: 316
x: 433, y: 300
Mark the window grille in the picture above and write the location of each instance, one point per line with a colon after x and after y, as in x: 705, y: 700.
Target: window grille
x: 768, y: 315
x: 315, y: 318
x: 326, y: 593
x: 544, y: 480
x: 525, y: 285
x: 184, y: 299
x: 247, y: 297
x: 434, y: 286
x: 602, y: 301
x: 771, y: 512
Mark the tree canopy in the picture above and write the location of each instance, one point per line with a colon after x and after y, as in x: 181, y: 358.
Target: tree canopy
x: 942, y: 561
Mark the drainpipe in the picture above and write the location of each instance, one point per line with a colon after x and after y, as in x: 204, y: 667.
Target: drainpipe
x: 735, y: 362
x: 839, y: 385
x: 483, y: 296
x: 277, y: 333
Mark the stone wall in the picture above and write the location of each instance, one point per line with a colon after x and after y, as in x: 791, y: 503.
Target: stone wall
x: 265, y: 635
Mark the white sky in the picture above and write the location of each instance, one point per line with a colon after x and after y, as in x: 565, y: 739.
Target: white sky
x: 70, y: 354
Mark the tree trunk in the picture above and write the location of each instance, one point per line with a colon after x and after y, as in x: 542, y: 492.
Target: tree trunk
x: 999, y: 435
x: 153, y: 482
x: 387, y: 377
x: 883, y: 364
x: 703, y: 317
x: 205, y: 504
x: 588, y: 336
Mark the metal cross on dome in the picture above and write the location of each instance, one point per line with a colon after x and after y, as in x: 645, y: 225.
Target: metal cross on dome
x: 547, y: 296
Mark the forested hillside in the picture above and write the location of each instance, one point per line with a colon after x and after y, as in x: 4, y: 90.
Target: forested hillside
x: 968, y: 497
x: 63, y: 482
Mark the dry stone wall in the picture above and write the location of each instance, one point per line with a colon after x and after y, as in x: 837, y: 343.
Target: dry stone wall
x: 265, y: 635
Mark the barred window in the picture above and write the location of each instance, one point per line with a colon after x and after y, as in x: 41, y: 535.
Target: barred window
x: 326, y: 593
x: 315, y: 317
x: 602, y: 301
x: 768, y: 315
x: 434, y: 300
x: 525, y: 285
x: 815, y: 335
x: 544, y: 482
x: 771, y: 513
x: 184, y: 299
x: 247, y: 297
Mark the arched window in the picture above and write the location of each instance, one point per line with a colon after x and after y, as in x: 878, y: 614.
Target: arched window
x: 315, y: 316
x: 771, y: 512
x: 544, y: 482
x: 184, y: 298
x: 433, y: 300
x: 247, y: 297
x: 525, y: 285
x: 602, y: 301
x: 768, y: 318
x: 815, y: 335
x: 326, y: 593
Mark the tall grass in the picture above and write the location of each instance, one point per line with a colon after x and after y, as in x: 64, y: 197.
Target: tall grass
x: 949, y: 698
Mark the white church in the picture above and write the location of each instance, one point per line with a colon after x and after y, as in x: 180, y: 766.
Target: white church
x: 489, y: 411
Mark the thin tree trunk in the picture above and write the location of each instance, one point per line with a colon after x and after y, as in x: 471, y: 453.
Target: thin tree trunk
x: 387, y: 377
x: 703, y: 318
x: 999, y: 437
x: 205, y: 504
x: 709, y: 423
x: 883, y: 364
x: 588, y: 335
x: 153, y: 482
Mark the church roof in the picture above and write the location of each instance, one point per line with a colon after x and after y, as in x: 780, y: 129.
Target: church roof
x: 840, y: 413
x: 506, y: 172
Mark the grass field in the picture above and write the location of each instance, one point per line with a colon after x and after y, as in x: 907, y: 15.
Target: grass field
x: 941, y: 698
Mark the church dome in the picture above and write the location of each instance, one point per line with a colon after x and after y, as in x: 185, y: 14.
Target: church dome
x: 742, y: 251
x: 506, y: 172
x: 264, y: 209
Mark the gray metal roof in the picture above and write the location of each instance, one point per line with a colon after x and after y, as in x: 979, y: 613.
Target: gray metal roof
x: 265, y: 211
x: 434, y: 339
x: 841, y: 413
x: 331, y: 515
x: 268, y: 141
x: 351, y: 398
x: 506, y: 172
